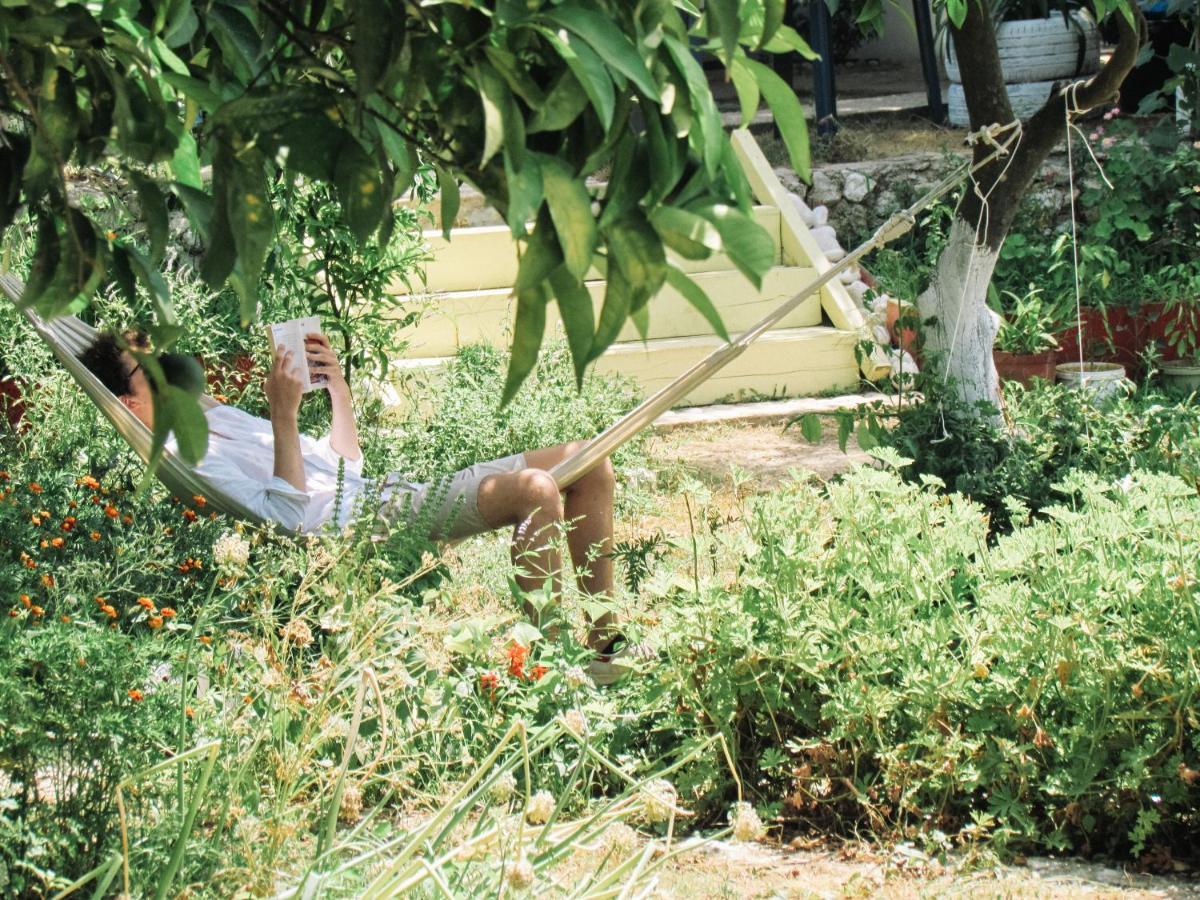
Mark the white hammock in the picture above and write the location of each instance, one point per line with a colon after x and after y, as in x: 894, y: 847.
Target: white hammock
x: 68, y: 337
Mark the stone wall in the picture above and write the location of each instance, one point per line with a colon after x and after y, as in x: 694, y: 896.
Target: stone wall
x: 860, y: 196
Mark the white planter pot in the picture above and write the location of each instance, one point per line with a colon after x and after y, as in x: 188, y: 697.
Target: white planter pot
x: 1181, y: 375
x: 1101, y: 380
x: 1042, y: 49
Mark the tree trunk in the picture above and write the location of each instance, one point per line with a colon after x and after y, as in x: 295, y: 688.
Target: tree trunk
x: 960, y: 328
x: 963, y: 329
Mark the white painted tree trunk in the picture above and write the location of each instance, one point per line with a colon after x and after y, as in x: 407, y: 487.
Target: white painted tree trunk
x: 961, y: 337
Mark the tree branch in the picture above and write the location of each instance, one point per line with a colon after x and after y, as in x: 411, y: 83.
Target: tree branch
x: 1005, y: 181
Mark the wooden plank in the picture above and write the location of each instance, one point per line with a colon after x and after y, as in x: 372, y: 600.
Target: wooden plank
x: 485, y: 258
x: 451, y: 320
x: 785, y: 363
x: 800, y: 248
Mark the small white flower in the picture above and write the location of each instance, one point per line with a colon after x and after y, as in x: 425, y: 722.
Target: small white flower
x: 520, y: 875
x: 620, y: 840
x: 1125, y: 484
x: 575, y: 677
x: 575, y: 722
x: 503, y: 788
x: 747, y: 826
x: 658, y: 800
x: 541, y: 806
x: 231, y: 553
x: 462, y: 689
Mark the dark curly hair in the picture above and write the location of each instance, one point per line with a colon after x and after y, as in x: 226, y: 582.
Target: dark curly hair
x: 104, y: 359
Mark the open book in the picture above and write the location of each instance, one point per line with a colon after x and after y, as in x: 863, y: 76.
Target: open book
x: 289, y: 335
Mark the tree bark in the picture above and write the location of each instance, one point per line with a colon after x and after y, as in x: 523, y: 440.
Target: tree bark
x: 960, y: 329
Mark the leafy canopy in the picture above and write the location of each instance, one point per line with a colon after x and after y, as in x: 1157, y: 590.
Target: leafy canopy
x: 521, y: 98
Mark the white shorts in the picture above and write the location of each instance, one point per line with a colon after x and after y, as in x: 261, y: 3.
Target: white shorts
x: 456, y: 514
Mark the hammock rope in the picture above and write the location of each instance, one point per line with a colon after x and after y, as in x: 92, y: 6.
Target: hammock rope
x: 68, y: 336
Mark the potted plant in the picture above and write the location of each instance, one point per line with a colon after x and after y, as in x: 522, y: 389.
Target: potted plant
x: 1025, y: 345
x: 1182, y: 334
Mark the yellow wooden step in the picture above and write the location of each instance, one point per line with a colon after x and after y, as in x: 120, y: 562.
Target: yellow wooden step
x: 466, y: 317
x: 484, y: 258
x: 790, y: 362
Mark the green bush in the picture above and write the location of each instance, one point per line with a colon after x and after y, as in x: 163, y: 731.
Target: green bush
x: 877, y: 666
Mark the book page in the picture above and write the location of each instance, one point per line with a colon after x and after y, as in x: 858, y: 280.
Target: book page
x: 287, y: 337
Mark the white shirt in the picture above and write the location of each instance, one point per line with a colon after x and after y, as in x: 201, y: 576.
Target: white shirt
x: 241, y: 459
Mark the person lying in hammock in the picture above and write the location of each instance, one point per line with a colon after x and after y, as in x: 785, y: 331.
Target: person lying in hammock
x: 290, y: 478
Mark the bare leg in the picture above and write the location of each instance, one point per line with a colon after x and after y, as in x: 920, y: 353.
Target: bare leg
x: 530, y: 501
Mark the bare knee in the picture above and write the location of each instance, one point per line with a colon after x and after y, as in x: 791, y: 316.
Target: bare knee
x: 539, y: 493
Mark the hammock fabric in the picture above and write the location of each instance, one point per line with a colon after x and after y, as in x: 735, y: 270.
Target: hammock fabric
x: 67, y: 336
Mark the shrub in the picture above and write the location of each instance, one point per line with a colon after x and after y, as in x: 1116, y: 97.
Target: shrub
x: 877, y: 666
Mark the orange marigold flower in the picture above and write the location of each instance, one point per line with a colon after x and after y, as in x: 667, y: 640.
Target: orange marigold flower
x: 37, y: 611
x: 88, y: 481
x: 57, y: 542
x: 189, y: 712
x: 95, y: 535
x: 109, y: 611
x: 25, y: 601
x: 127, y: 519
x: 68, y: 523
x: 48, y: 580
x: 199, y: 500
x: 35, y: 487
x: 156, y: 622
x: 167, y: 612
x: 516, y: 659
x: 100, y: 601
x: 489, y: 681
x: 212, y: 516
x: 168, y: 530
x: 13, y: 613
x: 35, y: 520
x: 111, y: 511
x: 189, y: 515
x: 44, y: 513
x: 538, y: 671
x: 145, y: 603
x: 66, y: 620
x: 43, y: 543
x: 71, y: 504
x: 248, y: 699
x: 136, y: 696
x: 3, y: 475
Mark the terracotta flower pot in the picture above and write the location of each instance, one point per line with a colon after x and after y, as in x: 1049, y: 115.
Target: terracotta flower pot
x: 1024, y: 367
x: 906, y: 338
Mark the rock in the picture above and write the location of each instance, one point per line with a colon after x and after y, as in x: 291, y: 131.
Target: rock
x: 820, y: 216
x: 835, y: 253
x: 849, y: 275
x: 806, y: 214
x: 824, y: 189
x: 858, y: 290
x: 882, y: 335
x: 880, y: 304
x: 903, y: 365
x: 855, y: 188
x: 825, y: 237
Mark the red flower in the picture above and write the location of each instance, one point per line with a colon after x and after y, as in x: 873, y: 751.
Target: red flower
x: 35, y: 487
x: 489, y: 681
x: 88, y: 481
x: 516, y: 659
x: 48, y: 581
x: 199, y: 500
x: 189, y: 515
x: 538, y: 671
x: 111, y: 511
x: 26, y: 601
x: 167, y: 612
x: 136, y: 696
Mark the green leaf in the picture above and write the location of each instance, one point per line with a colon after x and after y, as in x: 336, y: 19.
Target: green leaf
x: 562, y: 106
x: 194, y: 89
x: 175, y: 410
x: 578, y: 316
x: 185, y: 164
x: 865, y: 437
x: 810, y: 427
x: 363, y: 199
x: 542, y: 254
x: 528, y: 330
x: 590, y: 71
x: 721, y: 17
x: 746, y: 242
x: 956, y: 11
x: 788, y: 40
x: 689, y: 235
x: 154, y: 213
x: 789, y: 116
x: 516, y: 73
x: 371, y: 41
x: 641, y: 321
x: 608, y: 40
x: 448, y: 187
x: 845, y: 426
x: 666, y: 162
x: 747, y: 90
x: 773, y: 13
x: 494, y: 96
x: 571, y: 211
x: 628, y: 181
x: 249, y: 211
x: 703, y: 105
x: 525, y: 193
x: 160, y: 294
x: 618, y: 300
x: 637, y: 250
x: 695, y: 295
